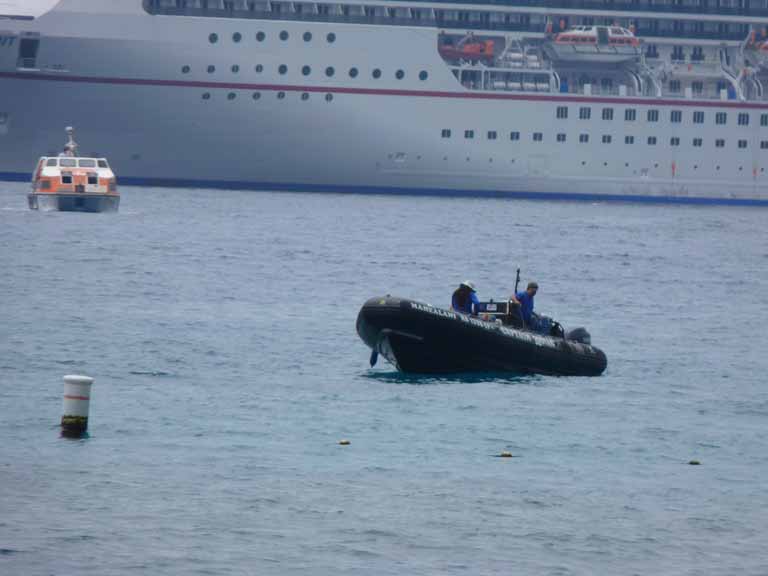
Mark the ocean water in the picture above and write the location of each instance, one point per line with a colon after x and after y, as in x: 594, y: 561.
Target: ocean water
x: 220, y: 329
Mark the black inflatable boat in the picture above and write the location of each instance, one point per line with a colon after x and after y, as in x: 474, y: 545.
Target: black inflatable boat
x: 420, y: 338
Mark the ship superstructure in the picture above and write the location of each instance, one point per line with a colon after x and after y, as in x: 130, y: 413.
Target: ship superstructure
x: 614, y: 99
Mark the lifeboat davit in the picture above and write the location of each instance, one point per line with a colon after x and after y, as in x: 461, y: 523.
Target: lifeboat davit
x: 420, y: 338
x: 594, y: 44
x: 73, y: 183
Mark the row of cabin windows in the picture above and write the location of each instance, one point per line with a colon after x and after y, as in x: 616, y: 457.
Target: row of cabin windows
x: 606, y: 139
x: 330, y: 71
x: 77, y: 162
x: 675, y: 116
x: 213, y: 38
x: 257, y: 96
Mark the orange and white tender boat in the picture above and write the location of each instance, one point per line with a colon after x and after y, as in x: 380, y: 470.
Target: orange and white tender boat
x: 71, y: 183
x: 594, y: 45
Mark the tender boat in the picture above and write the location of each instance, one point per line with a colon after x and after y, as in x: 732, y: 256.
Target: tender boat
x: 72, y: 183
x: 421, y: 338
x: 468, y: 49
x: 594, y: 45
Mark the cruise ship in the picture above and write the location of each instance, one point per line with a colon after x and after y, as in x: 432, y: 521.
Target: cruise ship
x: 636, y: 100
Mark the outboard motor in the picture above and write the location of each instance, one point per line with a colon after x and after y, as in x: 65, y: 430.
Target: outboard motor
x: 579, y: 335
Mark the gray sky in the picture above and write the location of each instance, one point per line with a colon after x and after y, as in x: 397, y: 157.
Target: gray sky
x: 25, y: 7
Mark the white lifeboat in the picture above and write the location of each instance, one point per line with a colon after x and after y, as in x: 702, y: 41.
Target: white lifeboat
x: 594, y: 44
x: 73, y: 183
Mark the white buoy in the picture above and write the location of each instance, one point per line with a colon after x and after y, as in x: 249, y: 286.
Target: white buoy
x: 77, y: 399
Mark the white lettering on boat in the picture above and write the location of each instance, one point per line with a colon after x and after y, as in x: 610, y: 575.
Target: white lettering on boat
x: 535, y: 339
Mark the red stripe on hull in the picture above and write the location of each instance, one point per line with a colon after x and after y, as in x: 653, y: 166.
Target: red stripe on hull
x: 386, y: 92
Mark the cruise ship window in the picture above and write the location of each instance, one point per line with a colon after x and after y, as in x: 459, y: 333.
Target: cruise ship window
x: 674, y: 86
x: 629, y: 139
x: 256, y: 95
x: 282, y: 69
x: 676, y: 116
x: 213, y: 38
x: 561, y: 137
x: 606, y: 138
x: 307, y: 36
x: 231, y: 96
x: 742, y: 143
x: 211, y: 69
x: 306, y: 70
x: 492, y: 135
x: 721, y: 118
x: 630, y: 114
x: 260, y: 36
x: 353, y: 72
x: 538, y: 137
x: 399, y: 74
x: 743, y: 119
x: 280, y: 95
x: 651, y: 140
x: 185, y: 70
x: 66, y: 177
x: 653, y: 115
x: 305, y: 95
x: 331, y: 37
x: 235, y: 68
x: 720, y: 143
x: 328, y: 97
x: 206, y: 96
x: 607, y: 113
x: 329, y: 71
x: 697, y: 142
x: 763, y: 119
x: 259, y: 68
x: 697, y: 87
x: 764, y: 144
x: 514, y: 135
x: 446, y: 133
x: 585, y: 113
x: 376, y: 73
x: 583, y: 138
x: 236, y: 37
x: 698, y: 117
x: 674, y: 141
x: 283, y: 35
x: 423, y: 75
x: 469, y: 134
x: 562, y: 112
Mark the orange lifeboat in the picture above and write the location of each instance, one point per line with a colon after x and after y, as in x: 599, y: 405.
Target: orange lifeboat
x: 72, y: 183
x: 468, y: 48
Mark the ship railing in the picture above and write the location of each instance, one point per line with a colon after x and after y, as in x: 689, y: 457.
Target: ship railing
x: 630, y: 6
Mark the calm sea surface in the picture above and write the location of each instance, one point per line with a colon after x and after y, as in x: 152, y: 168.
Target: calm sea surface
x: 220, y: 330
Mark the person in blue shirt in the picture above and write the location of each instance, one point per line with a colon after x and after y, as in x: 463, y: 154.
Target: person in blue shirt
x: 465, y: 299
x: 525, y: 299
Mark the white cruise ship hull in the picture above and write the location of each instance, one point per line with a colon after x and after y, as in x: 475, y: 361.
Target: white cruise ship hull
x: 117, y: 75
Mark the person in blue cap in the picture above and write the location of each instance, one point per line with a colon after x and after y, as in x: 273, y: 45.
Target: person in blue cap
x: 525, y: 299
x: 465, y: 299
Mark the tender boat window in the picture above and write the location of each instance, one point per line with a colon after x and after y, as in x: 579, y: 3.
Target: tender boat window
x: 66, y: 177
x: 86, y: 163
x: 93, y: 178
x: 68, y: 162
x: 51, y: 162
x: 103, y: 164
